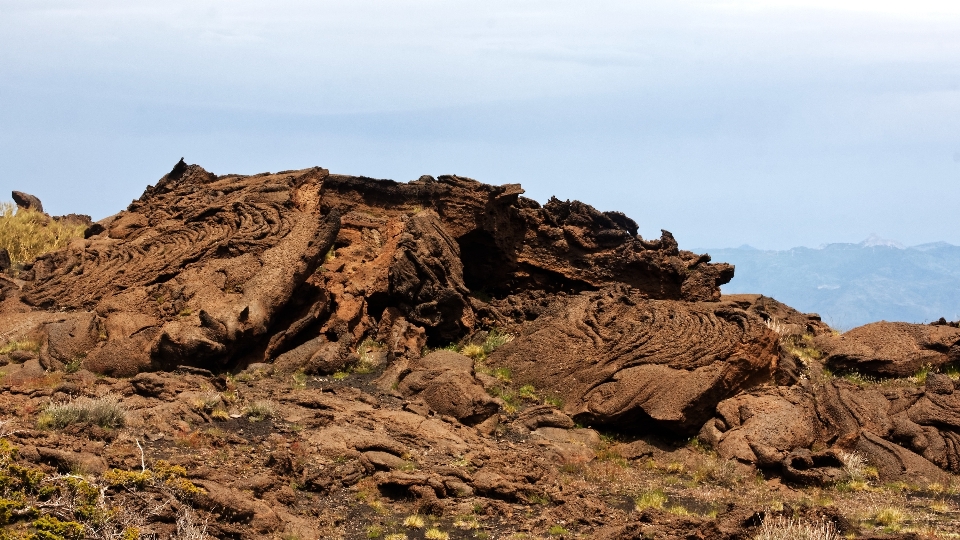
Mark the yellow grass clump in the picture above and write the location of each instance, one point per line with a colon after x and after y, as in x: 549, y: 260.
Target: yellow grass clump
x: 26, y: 234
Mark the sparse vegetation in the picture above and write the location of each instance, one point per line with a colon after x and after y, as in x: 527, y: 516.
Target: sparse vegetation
x: 35, y: 505
x: 890, y: 518
x: 781, y: 528
x: 299, y: 379
x: 801, y: 347
x: 436, y: 534
x: 528, y: 392
x: 920, y: 377
x: 106, y: 412
x: 414, y: 522
x: 260, y: 410
x: 27, y: 234
x: 651, y: 499
x: 366, y: 351
x: 22, y: 345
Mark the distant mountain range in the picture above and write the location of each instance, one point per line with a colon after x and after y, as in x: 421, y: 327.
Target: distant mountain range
x: 853, y: 284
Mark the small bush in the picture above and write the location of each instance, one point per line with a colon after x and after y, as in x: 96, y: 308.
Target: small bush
x: 299, y: 379
x: 651, y: 499
x: 466, y: 523
x: 368, y: 360
x: 503, y: 374
x: 207, y: 402
x: 474, y: 351
x: 495, y: 339
x: 414, y: 522
x: 795, y: 529
x: 436, y: 534
x: 558, y: 530
x: 528, y: 392
x: 260, y: 410
x: 554, y: 400
x: 891, y: 518
x: 106, y: 412
x: 188, y: 528
x: 855, y: 465
x: 920, y: 377
x: 27, y: 234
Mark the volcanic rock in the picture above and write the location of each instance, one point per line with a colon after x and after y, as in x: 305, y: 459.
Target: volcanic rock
x: 27, y: 201
x: 619, y: 359
x: 445, y: 381
x: 887, y: 349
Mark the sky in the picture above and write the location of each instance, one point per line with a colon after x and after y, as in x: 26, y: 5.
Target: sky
x: 769, y: 123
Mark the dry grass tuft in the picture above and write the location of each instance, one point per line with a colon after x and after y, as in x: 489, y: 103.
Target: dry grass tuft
x: 260, y: 410
x: 106, y: 412
x: 26, y: 234
x: 189, y: 528
x: 794, y: 529
x: 414, y: 522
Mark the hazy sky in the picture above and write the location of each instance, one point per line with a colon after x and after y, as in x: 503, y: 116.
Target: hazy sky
x: 773, y: 123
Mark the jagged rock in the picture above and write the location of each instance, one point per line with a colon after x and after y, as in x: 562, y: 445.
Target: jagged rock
x: 5, y: 262
x: 888, y: 349
x: 27, y: 201
x: 904, y: 433
x: 618, y: 359
x: 509, y: 243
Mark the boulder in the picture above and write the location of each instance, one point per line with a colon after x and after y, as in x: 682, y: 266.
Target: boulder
x: 762, y: 428
x: 445, y: 381
x: 27, y: 201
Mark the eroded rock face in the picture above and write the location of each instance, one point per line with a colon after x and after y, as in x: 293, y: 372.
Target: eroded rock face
x: 196, y: 268
x: 216, y: 271
x: 621, y: 360
x: 509, y: 243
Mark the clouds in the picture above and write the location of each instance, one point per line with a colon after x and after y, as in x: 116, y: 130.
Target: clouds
x: 692, y: 103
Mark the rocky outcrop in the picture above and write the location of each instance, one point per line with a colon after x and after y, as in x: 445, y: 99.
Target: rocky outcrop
x: 193, y: 272
x: 619, y: 359
x: 509, y: 243
x: 27, y: 201
x: 886, y: 349
x: 906, y: 433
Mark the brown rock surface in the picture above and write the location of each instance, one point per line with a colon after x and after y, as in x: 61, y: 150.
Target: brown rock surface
x: 273, y: 330
x: 618, y: 359
x: 888, y: 349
